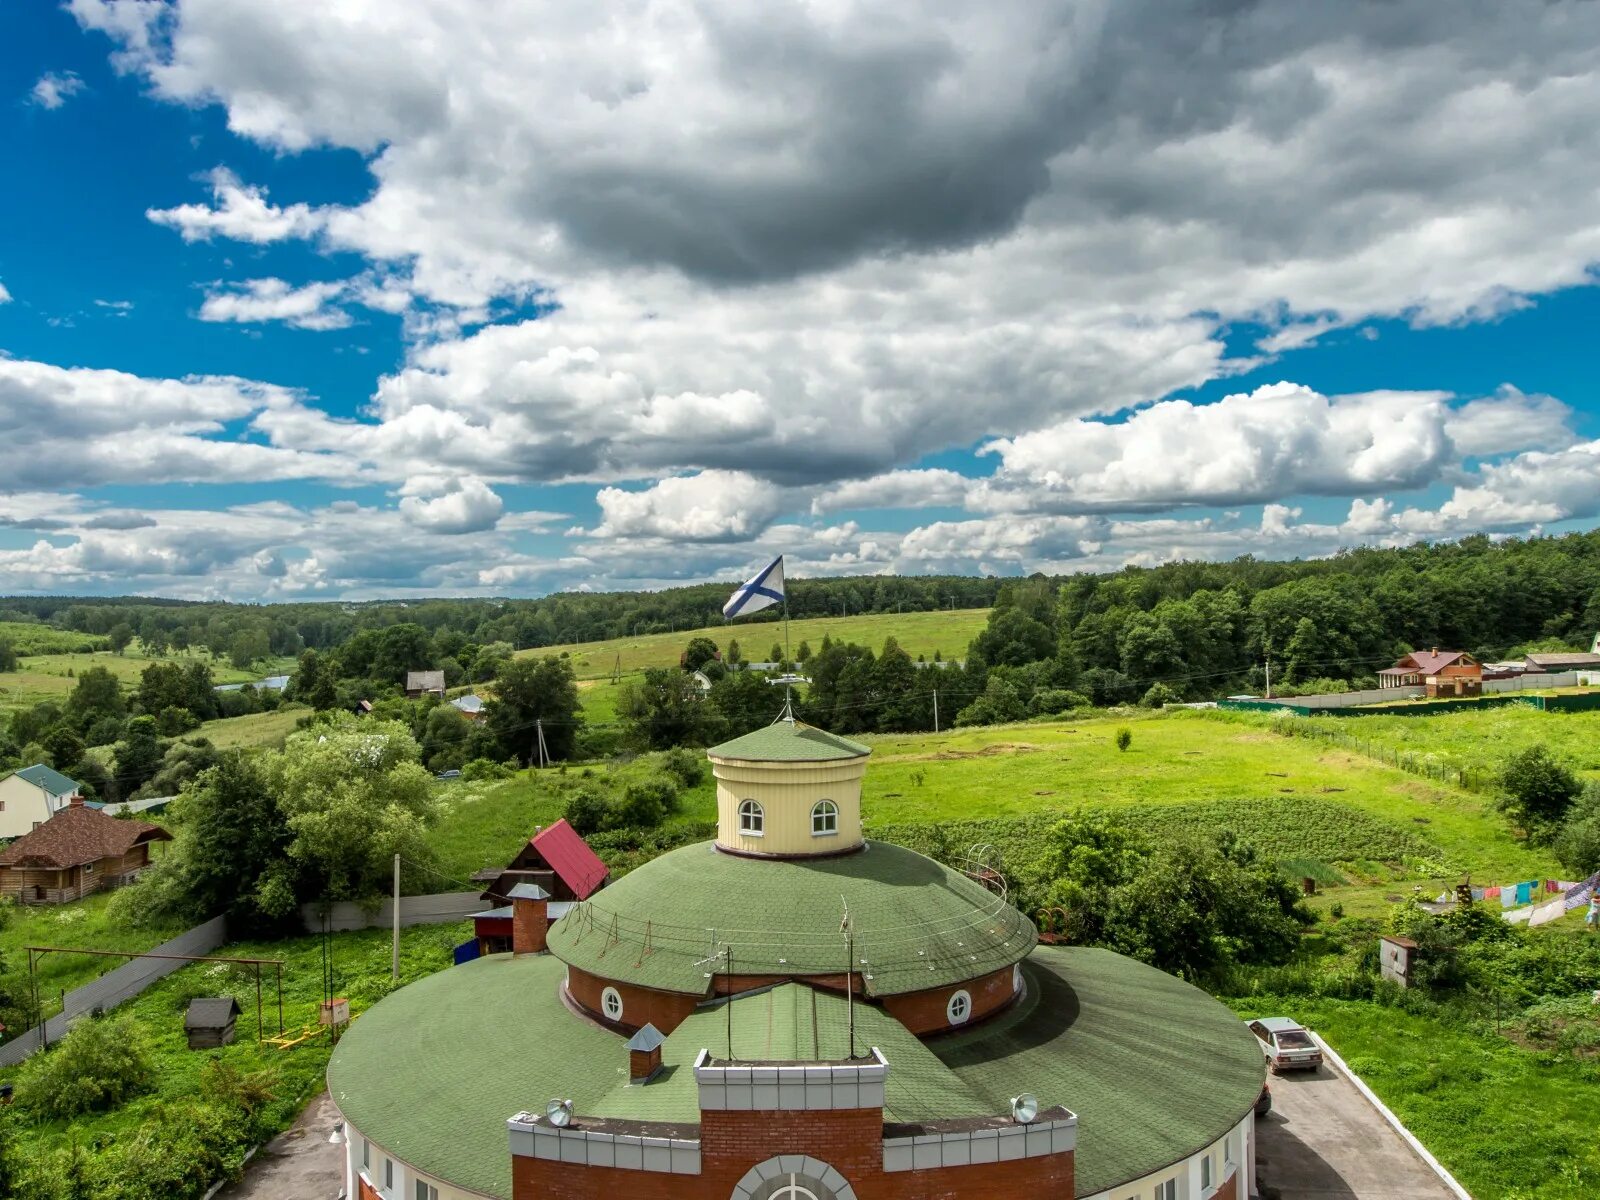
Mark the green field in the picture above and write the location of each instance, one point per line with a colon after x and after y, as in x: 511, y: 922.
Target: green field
x: 26, y: 637
x: 1477, y: 742
x: 945, y: 632
x: 51, y: 676
x: 253, y: 729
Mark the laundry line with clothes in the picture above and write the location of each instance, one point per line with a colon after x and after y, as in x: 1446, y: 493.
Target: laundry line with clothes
x: 1524, y: 902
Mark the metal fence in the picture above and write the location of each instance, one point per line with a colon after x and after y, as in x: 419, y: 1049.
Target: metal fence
x: 437, y: 909
x: 115, y: 986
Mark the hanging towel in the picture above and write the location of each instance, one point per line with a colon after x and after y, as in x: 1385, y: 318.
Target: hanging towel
x: 1548, y: 912
x: 1491, y: 893
x: 1524, y: 892
x: 1517, y: 915
x: 1508, y: 896
x: 1550, y: 885
x: 1478, y: 893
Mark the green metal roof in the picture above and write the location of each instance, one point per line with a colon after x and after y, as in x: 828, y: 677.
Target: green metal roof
x: 917, y: 923
x: 795, y: 1023
x: 790, y: 741
x: 1154, y: 1067
x: 50, y: 780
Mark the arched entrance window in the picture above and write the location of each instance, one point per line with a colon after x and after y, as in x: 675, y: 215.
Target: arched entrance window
x: 824, y: 818
x: 793, y: 1178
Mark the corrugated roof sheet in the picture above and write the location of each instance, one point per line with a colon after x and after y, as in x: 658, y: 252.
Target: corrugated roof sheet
x: 790, y: 741
x: 424, y: 681
x: 569, y: 856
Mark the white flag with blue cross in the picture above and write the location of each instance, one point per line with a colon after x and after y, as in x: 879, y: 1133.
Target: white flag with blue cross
x: 762, y: 590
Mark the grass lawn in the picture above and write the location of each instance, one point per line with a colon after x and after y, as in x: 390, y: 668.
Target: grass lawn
x: 1506, y: 1121
x: 361, y: 973
x: 81, y: 924
x: 598, y: 697
x: 946, y: 632
x: 28, y: 637
x: 254, y: 729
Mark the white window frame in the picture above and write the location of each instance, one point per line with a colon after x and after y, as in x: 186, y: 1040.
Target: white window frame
x: 388, y: 1174
x: 827, y: 812
x: 1167, y: 1189
x: 366, y: 1154
x: 1207, y: 1173
x: 611, y: 999
x: 958, y: 1009
x: 752, y: 818
x: 425, y: 1190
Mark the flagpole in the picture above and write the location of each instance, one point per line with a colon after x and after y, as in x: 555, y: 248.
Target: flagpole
x: 788, y: 659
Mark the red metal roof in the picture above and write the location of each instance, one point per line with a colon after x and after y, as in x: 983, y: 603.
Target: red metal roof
x: 569, y: 856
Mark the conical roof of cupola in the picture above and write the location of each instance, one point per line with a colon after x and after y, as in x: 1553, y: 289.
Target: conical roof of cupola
x: 790, y: 741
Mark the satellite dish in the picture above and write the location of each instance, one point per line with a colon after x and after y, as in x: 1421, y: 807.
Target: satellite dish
x: 558, y: 1112
x: 1024, y: 1108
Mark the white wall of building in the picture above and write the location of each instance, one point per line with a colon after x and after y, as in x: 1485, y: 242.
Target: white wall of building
x: 25, y: 805
x: 1232, y: 1155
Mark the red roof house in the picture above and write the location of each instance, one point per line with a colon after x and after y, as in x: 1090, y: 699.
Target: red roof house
x: 556, y: 859
x: 1441, y: 672
x: 78, y: 851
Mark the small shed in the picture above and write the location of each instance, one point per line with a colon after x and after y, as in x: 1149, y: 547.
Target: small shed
x: 209, y: 1021
x: 1397, y: 957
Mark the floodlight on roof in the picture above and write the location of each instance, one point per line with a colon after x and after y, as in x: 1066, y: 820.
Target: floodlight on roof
x: 336, y: 1138
x: 1024, y: 1108
x: 559, y: 1112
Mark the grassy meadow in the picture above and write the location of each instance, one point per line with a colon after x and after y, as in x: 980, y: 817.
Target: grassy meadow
x: 253, y: 729
x: 28, y: 637
x: 82, y: 924
x: 51, y: 676
x: 946, y: 632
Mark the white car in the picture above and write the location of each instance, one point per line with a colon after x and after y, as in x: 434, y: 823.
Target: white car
x: 1286, y: 1044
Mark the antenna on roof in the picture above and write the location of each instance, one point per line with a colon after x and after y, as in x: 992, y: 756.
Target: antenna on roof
x: 848, y: 929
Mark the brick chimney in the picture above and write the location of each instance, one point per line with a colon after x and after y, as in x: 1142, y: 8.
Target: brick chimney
x: 644, y: 1054
x: 530, y: 918
x: 75, y: 801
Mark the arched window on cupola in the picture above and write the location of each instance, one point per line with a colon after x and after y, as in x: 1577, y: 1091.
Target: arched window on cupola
x: 824, y: 818
x: 752, y: 820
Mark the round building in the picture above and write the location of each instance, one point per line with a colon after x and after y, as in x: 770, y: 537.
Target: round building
x: 794, y: 1012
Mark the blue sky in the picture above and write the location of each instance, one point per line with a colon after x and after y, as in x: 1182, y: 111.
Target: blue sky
x: 508, y: 300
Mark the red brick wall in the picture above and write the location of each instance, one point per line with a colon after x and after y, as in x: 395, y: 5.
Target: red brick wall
x: 924, y: 1012
x: 1229, y: 1189
x: 640, y: 1006
x: 850, y: 1141
x: 529, y: 925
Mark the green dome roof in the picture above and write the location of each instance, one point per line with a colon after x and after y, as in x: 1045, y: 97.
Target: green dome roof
x: 1154, y: 1068
x: 918, y: 924
x: 790, y: 741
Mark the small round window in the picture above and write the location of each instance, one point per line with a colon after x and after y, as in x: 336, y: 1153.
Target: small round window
x: 751, y: 819
x: 611, y: 1002
x: 824, y: 818
x: 959, y: 1007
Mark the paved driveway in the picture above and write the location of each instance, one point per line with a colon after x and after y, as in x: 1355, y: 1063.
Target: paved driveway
x: 298, y: 1164
x: 1324, y: 1141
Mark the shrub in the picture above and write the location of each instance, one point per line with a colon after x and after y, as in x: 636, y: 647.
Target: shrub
x: 1537, y: 790
x: 483, y: 769
x: 1159, y: 694
x: 1049, y: 701
x: 98, y: 1065
x: 687, y: 767
x: 587, y: 811
x: 645, y: 803
x: 1124, y: 738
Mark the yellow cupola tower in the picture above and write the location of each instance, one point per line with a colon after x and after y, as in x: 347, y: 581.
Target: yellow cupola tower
x: 789, y: 791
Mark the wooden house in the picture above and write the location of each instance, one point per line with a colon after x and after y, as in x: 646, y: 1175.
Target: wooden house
x: 424, y: 683
x: 209, y: 1022
x: 556, y: 859
x: 1441, y: 672
x: 78, y: 851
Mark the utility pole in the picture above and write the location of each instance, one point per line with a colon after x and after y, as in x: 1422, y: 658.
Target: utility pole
x: 935, y: 708
x: 1269, y: 670
x: 544, y: 753
x: 395, y: 966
